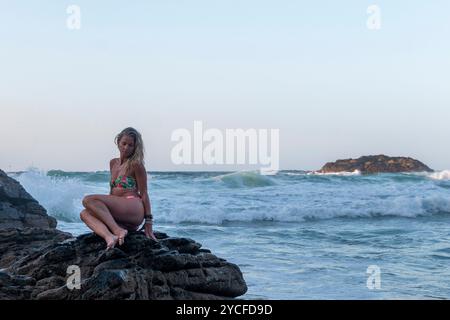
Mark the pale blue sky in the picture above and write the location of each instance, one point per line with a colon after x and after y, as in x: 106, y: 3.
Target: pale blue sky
x: 334, y: 88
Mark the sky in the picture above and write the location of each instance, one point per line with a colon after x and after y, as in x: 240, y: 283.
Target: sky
x: 312, y: 69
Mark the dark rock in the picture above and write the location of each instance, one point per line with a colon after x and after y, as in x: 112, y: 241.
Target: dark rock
x: 18, y: 209
x: 376, y: 164
x: 182, y: 245
x: 18, y: 243
x: 172, y: 268
x: 15, y: 287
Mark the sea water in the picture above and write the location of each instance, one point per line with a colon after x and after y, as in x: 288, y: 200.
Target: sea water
x: 294, y: 234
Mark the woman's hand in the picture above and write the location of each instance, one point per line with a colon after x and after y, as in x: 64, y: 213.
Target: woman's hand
x: 148, y: 230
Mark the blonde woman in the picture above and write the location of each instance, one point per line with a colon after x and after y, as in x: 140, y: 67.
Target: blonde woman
x: 128, y: 204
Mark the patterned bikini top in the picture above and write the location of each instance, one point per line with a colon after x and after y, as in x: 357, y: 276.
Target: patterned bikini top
x: 124, y: 182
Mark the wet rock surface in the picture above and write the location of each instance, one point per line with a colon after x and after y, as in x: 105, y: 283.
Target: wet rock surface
x: 172, y: 268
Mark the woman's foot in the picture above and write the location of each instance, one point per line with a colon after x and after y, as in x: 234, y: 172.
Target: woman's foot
x: 121, y: 236
x: 111, y: 242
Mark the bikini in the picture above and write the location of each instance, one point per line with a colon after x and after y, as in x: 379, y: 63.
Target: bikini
x: 125, y: 182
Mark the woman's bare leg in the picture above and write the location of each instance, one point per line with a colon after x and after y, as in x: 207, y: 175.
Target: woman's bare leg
x: 99, y: 228
x: 101, y: 212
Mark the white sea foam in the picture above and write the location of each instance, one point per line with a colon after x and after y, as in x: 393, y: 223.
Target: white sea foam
x: 61, y: 196
x: 409, y: 208
x: 249, y: 196
x: 341, y: 173
x: 245, y: 179
x: 296, y: 173
x: 440, y: 175
x: 436, y: 175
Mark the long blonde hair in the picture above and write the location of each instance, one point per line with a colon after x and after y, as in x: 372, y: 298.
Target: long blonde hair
x: 138, y: 154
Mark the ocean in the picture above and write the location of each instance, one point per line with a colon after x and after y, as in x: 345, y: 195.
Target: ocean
x: 294, y: 234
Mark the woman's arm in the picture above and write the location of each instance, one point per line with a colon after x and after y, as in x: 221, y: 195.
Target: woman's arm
x: 141, y: 178
x: 111, y: 162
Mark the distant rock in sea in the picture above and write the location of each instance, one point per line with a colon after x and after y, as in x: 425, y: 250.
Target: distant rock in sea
x: 36, y: 261
x: 376, y: 164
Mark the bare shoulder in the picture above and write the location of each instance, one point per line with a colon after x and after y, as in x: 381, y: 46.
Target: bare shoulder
x: 112, y: 162
x: 139, y: 168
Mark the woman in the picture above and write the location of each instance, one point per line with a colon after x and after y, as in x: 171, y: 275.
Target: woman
x: 127, y: 205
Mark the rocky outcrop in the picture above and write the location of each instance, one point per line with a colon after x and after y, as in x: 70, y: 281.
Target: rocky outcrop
x: 376, y: 164
x: 172, y: 268
x: 18, y: 209
x: 16, y: 244
x: 35, y: 260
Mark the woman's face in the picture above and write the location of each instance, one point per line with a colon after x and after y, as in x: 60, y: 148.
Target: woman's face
x: 126, y: 146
